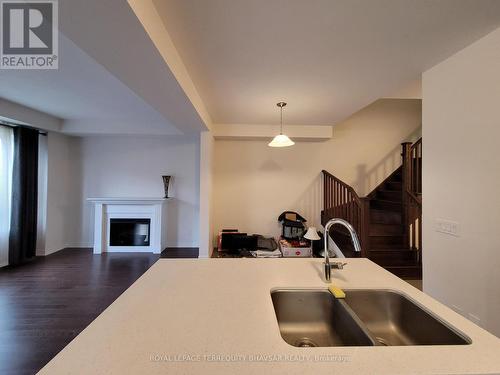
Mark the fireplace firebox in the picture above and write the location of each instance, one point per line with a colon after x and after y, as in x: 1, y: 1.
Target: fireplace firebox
x: 129, y: 232
x: 130, y: 224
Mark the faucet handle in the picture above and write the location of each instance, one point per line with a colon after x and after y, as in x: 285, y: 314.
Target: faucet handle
x: 338, y: 265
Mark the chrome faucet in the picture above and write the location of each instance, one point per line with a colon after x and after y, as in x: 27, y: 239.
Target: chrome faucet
x: 355, y: 242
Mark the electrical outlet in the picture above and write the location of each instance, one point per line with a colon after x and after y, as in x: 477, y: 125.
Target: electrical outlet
x: 447, y: 227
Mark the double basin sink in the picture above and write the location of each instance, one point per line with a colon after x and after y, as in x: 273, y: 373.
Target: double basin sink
x: 314, y: 317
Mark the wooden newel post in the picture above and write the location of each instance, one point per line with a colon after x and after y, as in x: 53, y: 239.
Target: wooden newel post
x: 406, y: 163
x: 406, y: 180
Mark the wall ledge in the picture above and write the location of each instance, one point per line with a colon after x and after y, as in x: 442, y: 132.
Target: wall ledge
x: 301, y: 133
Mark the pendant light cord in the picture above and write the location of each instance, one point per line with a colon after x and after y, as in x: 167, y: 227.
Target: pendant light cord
x: 281, y: 121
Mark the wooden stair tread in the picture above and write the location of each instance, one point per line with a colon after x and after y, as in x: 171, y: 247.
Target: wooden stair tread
x: 396, y: 193
x: 410, y: 266
x: 386, y: 229
x: 378, y: 216
x: 397, y: 264
x: 387, y: 242
x: 385, y: 201
x: 381, y: 234
x: 393, y: 185
x: 386, y: 205
x: 409, y: 271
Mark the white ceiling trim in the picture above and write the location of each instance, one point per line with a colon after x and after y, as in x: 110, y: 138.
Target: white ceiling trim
x: 112, y: 126
x: 309, y: 133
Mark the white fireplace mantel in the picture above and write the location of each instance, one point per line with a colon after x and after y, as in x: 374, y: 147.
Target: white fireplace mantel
x: 114, y: 200
x: 107, y: 208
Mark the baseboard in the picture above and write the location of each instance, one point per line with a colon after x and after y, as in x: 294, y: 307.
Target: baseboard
x: 80, y: 245
x: 182, y: 248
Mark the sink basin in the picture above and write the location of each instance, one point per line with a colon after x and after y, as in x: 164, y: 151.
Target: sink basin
x: 309, y: 318
x: 394, y: 319
x: 366, y: 317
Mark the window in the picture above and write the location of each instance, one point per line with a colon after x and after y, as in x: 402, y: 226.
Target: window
x: 6, y: 157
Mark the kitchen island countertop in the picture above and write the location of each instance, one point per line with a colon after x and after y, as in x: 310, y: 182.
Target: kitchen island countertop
x: 215, y: 316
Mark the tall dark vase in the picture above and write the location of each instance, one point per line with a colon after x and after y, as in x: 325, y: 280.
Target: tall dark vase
x: 166, y: 181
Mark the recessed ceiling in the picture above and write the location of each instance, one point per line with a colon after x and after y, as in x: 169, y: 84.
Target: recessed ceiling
x: 326, y: 58
x: 81, y: 90
x: 111, y: 78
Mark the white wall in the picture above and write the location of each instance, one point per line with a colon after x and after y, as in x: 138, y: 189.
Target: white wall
x: 132, y: 166
x: 254, y: 183
x: 63, y: 223
x: 461, y: 180
x: 206, y: 194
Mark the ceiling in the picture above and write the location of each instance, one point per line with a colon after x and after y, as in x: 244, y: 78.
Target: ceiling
x: 80, y: 90
x: 111, y: 78
x: 111, y: 34
x: 326, y: 58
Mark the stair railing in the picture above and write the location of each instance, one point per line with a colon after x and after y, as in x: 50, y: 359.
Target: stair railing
x: 412, y: 194
x: 341, y: 201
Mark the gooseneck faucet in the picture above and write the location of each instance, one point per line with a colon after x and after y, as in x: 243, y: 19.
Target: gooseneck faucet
x: 355, y: 242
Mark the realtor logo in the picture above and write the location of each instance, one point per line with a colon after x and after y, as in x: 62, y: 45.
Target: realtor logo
x: 29, y: 34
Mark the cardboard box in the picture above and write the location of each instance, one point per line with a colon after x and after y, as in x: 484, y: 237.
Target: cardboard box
x: 291, y: 252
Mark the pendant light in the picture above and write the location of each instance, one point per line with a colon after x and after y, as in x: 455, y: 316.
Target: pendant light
x: 281, y: 140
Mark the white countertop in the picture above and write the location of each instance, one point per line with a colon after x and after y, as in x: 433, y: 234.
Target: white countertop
x: 183, y: 314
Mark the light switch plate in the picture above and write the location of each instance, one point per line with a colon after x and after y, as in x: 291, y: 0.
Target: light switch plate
x: 447, y: 227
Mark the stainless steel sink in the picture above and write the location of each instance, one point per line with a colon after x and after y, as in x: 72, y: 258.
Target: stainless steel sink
x: 314, y: 317
x: 393, y: 319
x: 309, y: 318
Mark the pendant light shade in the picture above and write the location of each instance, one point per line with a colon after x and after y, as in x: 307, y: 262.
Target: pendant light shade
x: 281, y: 140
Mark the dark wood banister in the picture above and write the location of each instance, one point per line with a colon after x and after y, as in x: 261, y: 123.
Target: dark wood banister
x: 342, y: 183
x: 341, y: 200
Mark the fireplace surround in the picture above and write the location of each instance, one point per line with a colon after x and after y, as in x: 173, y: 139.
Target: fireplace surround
x: 129, y: 224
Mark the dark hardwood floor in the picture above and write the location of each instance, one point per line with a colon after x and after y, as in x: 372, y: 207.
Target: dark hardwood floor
x: 46, y: 303
x: 180, y: 252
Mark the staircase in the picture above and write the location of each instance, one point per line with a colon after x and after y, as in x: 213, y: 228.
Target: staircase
x: 388, y: 220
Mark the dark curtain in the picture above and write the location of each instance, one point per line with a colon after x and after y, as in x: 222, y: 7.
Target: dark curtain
x: 22, y: 240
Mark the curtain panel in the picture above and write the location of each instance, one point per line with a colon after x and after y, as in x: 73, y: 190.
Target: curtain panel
x: 24, y: 203
x: 6, y: 158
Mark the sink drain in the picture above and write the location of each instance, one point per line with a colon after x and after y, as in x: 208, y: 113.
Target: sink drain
x: 382, y: 341
x: 305, y: 342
